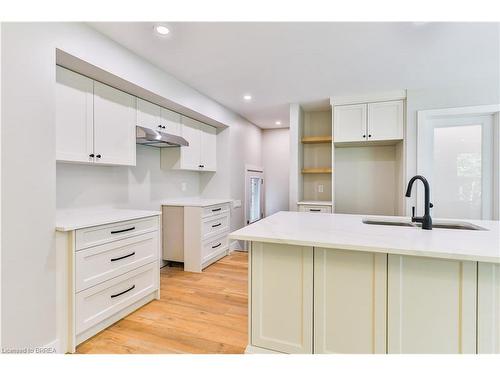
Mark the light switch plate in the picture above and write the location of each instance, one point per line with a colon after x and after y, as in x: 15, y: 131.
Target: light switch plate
x: 183, y: 186
x: 320, y: 188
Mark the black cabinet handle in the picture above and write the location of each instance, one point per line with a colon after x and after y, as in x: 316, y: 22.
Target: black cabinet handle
x: 369, y: 135
x: 91, y: 155
x: 364, y: 135
x: 98, y: 156
x: 125, y: 291
x: 216, y: 246
x: 216, y: 209
x: 216, y: 225
x: 122, y: 230
x: 201, y: 166
x: 123, y: 257
x: 314, y: 210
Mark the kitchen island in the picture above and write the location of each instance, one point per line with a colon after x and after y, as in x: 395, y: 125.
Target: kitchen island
x: 330, y: 283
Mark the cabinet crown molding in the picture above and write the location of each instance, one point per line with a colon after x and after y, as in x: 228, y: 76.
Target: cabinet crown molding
x: 382, y: 96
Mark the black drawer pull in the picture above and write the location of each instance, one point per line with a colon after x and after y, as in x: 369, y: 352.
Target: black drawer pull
x: 125, y: 291
x: 216, y: 209
x: 314, y: 210
x: 216, y: 225
x: 122, y: 230
x: 216, y: 246
x: 123, y: 257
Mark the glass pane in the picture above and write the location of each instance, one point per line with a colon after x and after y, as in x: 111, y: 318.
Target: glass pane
x: 457, y: 172
x: 255, y: 191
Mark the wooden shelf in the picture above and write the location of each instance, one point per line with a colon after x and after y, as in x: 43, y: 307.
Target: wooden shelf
x: 316, y: 170
x: 322, y: 139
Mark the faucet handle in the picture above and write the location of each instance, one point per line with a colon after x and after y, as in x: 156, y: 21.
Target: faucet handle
x: 413, y: 211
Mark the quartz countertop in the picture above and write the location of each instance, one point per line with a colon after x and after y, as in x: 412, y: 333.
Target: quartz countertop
x: 67, y: 220
x: 195, y: 202
x: 316, y: 203
x: 348, y: 232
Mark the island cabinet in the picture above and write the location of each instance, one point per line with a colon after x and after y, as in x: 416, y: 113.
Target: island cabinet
x: 488, y: 308
x: 431, y: 305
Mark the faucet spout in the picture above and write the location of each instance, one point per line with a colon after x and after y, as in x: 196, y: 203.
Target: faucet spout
x: 426, y: 220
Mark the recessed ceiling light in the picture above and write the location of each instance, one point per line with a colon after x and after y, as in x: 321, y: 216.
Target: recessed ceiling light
x: 278, y: 122
x: 247, y: 97
x: 162, y: 30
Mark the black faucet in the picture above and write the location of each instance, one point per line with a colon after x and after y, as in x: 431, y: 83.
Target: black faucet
x: 426, y: 220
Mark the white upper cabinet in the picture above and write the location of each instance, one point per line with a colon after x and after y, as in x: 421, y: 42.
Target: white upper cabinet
x: 148, y: 115
x: 380, y: 121
x: 200, y: 155
x: 349, y: 123
x: 74, y: 116
x: 170, y: 121
x: 385, y: 120
x: 114, y: 126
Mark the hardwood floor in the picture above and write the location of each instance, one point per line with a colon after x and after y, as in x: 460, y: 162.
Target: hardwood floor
x: 197, y: 313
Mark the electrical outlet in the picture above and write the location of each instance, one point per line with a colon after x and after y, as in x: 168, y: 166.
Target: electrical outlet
x: 184, y: 186
x: 320, y: 188
x: 236, y: 203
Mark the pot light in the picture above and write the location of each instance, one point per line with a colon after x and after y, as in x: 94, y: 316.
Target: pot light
x: 278, y: 122
x: 162, y: 30
x: 247, y: 97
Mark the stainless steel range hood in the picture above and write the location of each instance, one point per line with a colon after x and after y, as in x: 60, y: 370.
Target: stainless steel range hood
x: 154, y: 138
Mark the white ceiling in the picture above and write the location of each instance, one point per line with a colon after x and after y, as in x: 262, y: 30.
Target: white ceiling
x: 282, y: 63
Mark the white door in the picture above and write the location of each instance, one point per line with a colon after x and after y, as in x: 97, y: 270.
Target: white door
x: 282, y: 297
x: 385, y: 120
x: 74, y: 116
x: 148, y: 115
x: 456, y: 155
x: 170, y: 121
x: 350, y: 299
x: 114, y: 126
x: 254, y: 195
x: 208, y: 157
x: 349, y: 123
x: 190, y: 155
x: 431, y: 305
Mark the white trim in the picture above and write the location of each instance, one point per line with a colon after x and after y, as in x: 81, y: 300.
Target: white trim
x: 55, y: 344
x: 250, y: 349
x: 383, y: 96
x: 249, y: 168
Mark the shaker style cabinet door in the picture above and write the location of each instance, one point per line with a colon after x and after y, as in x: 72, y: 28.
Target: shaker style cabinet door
x: 114, y: 126
x: 349, y: 301
x: 208, y: 156
x: 148, y: 115
x: 282, y: 297
x: 74, y: 117
x: 431, y: 305
x: 488, y: 308
x: 349, y: 123
x: 385, y: 120
x: 190, y: 155
x: 170, y: 121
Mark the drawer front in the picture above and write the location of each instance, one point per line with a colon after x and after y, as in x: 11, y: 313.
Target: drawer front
x: 101, y: 263
x: 95, y: 304
x: 213, y: 247
x: 213, y: 226
x: 101, y: 234
x: 314, y: 208
x: 216, y: 210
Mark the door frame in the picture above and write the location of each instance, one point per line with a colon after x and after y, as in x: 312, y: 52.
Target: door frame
x: 426, y: 116
x: 249, y: 169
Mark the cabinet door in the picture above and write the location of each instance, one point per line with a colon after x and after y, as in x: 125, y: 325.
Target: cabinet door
x: 208, y: 156
x: 148, y: 114
x: 171, y: 121
x: 488, y: 308
x: 349, y: 123
x: 74, y: 116
x: 281, y: 297
x: 190, y: 155
x: 385, y: 120
x: 349, y: 301
x: 114, y: 125
x: 431, y: 305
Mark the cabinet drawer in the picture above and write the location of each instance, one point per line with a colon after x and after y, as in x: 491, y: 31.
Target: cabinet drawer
x: 101, y: 263
x: 101, y: 234
x: 314, y: 208
x: 212, y: 226
x: 214, y: 247
x: 95, y: 304
x: 215, y: 210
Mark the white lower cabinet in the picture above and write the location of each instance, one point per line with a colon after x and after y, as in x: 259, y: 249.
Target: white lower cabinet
x: 431, y: 305
x: 488, y: 308
x: 349, y: 301
x: 282, y: 297
x: 315, y: 208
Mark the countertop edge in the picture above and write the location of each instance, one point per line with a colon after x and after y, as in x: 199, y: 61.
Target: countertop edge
x: 69, y: 228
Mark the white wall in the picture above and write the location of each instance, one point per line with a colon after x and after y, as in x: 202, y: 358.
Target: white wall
x: 29, y: 169
x: 276, y: 163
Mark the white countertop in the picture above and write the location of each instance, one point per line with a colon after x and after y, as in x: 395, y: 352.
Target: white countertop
x: 316, y: 203
x: 348, y: 232
x: 67, y: 220
x: 194, y: 202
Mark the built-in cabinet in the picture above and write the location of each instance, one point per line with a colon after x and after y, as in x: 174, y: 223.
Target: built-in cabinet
x: 201, y: 155
x: 381, y: 121
x: 152, y: 116
x: 305, y: 300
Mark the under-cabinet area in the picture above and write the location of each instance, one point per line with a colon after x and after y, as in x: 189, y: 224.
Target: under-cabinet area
x: 341, y: 301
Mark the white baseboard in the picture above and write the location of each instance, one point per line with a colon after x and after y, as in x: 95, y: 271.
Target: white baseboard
x: 250, y: 349
x: 53, y: 347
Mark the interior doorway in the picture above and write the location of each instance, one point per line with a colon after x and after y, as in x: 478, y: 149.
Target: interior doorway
x: 254, y: 194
